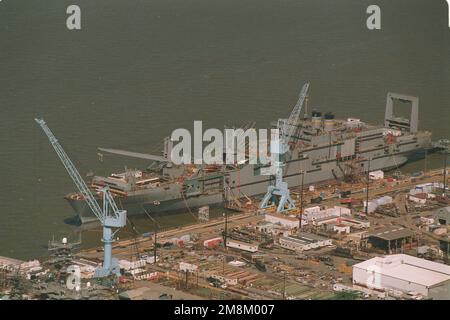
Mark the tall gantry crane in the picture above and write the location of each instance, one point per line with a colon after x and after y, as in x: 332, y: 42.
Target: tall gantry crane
x: 279, y: 193
x: 109, y: 216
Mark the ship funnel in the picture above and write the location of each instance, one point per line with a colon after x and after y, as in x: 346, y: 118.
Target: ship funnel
x: 316, y: 119
x: 329, y: 122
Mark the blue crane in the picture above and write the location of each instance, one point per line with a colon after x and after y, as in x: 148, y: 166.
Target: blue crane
x: 279, y: 194
x: 109, y: 216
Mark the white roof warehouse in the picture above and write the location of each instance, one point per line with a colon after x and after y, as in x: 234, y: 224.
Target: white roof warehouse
x: 406, y: 274
x: 304, y: 241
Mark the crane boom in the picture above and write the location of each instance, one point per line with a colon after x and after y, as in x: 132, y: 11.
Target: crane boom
x: 73, y: 172
x: 135, y: 154
x: 290, y: 125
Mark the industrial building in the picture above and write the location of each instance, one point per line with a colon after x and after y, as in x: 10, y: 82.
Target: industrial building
x: 420, y: 198
x: 274, y: 229
x: 290, y: 222
x: 358, y: 239
x: 427, y: 188
x: 404, y: 273
x: 304, y: 241
x: 443, y: 215
x: 314, y: 214
x: 391, y: 239
x: 250, y: 247
x: 353, y: 223
x: 341, y: 228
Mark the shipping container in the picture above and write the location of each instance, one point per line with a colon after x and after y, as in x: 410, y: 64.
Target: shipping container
x: 212, y: 243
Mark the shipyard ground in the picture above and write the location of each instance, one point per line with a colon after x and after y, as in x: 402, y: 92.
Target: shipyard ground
x: 305, y: 279
x: 312, y: 274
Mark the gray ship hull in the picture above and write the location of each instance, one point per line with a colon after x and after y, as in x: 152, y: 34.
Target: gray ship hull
x: 326, y: 174
x: 152, y: 203
x: 149, y: 204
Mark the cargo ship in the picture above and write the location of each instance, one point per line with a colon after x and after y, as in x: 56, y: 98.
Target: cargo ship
x: 325, y: 148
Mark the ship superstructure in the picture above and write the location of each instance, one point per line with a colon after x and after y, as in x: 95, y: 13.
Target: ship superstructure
x: 325, y: 148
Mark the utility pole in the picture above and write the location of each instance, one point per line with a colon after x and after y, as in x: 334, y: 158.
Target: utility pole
x: 225, y: 235
x: 367, y: 188
x: 284, y: 285
x: 154, y: 246
x: 301, y: 202
x: 225, y: 232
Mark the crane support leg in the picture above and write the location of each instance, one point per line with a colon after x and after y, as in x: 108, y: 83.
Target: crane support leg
x: 110, y: 264
x: 280, y: 196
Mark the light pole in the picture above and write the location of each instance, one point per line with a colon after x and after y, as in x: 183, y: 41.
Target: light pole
x: 225, y: 232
